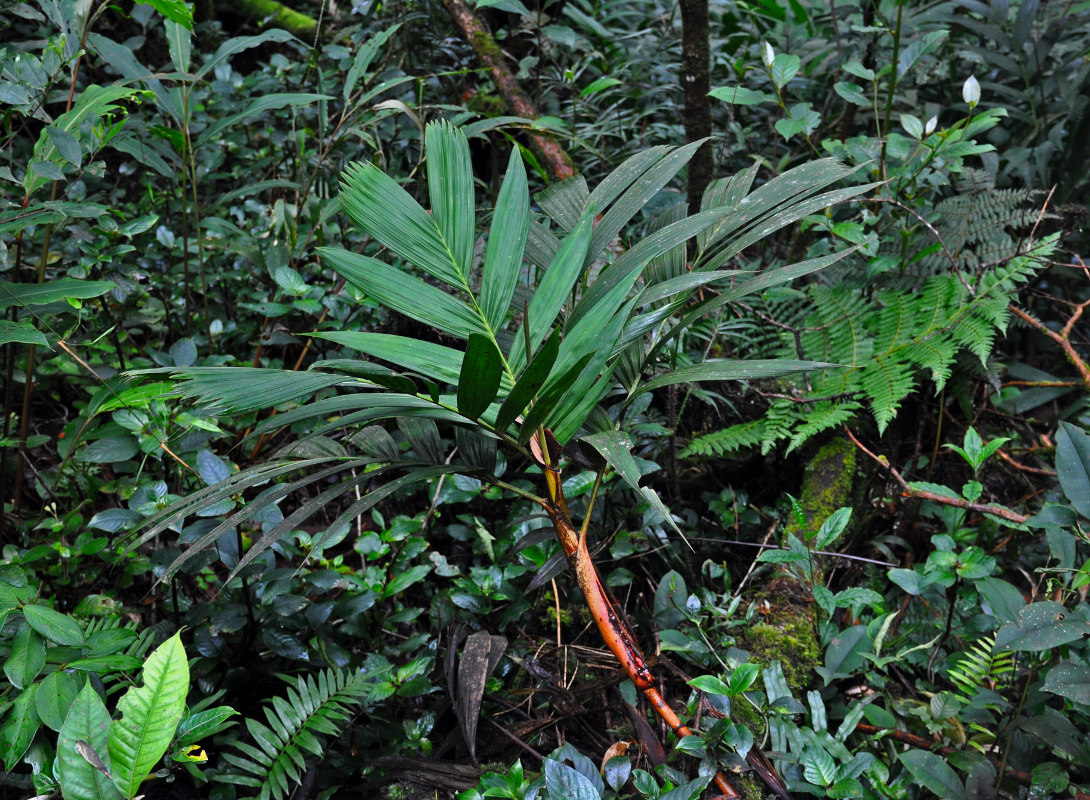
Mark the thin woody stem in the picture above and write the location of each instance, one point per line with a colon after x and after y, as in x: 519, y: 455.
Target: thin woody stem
x: 611, y: 626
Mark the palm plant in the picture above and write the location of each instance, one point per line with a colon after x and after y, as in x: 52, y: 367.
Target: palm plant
x: 533, y: 375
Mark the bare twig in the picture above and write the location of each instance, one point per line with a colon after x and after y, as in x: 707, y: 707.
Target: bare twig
x: 923, y: 494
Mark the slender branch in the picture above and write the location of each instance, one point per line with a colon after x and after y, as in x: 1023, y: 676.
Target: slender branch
x: 1063, y: 338
x: 923, y: 494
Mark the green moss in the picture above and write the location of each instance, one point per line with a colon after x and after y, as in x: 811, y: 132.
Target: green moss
x: 827, y: 484
x: 751, y: 788
x: 278, y: 15
x: 792, y: 642
x: 486, y: 104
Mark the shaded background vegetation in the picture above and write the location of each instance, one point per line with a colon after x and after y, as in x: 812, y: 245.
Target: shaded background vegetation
x: 171, y: 217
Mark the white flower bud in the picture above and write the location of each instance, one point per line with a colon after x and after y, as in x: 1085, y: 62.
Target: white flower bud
x: 970, y: 91
x: 932, y: 123
x: 769, y: 55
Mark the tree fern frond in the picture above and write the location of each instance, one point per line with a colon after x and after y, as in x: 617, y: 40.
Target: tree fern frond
x: 935, y: 353
x: 727, y: 440
x: 820, y: 417
x: 886, y: 382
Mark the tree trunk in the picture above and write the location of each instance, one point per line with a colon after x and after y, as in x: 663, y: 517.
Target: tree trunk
x: 695, y: 81
x: 548, y: 150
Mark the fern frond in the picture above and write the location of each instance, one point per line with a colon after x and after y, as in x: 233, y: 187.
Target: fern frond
x: 935, y: 353
x: 886, y: 382
x: 726, y: 440
x: 820, y: 417
x: 312, y: 707
x: 979, y: 666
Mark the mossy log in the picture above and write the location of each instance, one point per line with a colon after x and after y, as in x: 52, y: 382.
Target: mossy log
x: 548, y: 151
x: 275, y: 14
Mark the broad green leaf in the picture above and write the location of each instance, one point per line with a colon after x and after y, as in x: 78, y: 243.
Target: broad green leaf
x: 36, y: 294
x: 741, y: 96
x: 506, y: 244
x: 110, y: 450
x: 529, y: 383
x: 711, y: 685
x: 53, y: 625
x: 563, y: 781
x: 87, y: 721
x: 1073, y: 465
x: 149, y: 716
x: 269, y: 102
x: 450, y: 187
x: 177, y: 11
x: 198, y: 726
x: 743, y: 677
x: 56, y: 693
x: 1071, y: 681
x: 20, y: 724
x: 236, y: 390
x: 92, y: 102
x: 27, y: 657
x: 479, y: 380
x: 730, y: 370
x: 405, y: 294
x: 1041, y: 626
x: 784, y: 68
x: 934, y: 773
x: 21, y: 332
x: 388, y: 213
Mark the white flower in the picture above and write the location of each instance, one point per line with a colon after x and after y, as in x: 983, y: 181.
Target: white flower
x: 932, y: 123
x: 769, y: 55
x: 970, y: 91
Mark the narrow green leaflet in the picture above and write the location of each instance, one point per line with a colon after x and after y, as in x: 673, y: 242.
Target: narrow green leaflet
x: 506, y: 244
x: 730, y: 370
x: 479, y: 380
x: 88, y: 721
x: 529, y: 383
x: 239, y: 389
x: 388, y: 213
x: 404, y: 293
x: 434, y: 361
x: 149, y: 716
x: 36, y: 294
x: 450, y: 187
x: 554, y: 290
x: 269, y: 102
x: 615, y: 447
